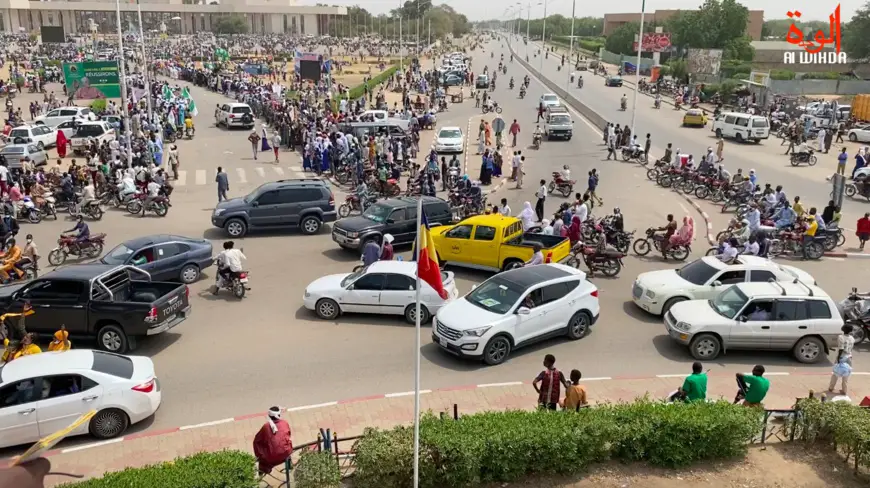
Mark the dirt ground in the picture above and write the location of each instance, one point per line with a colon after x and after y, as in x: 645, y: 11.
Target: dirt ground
x: 777, y: 466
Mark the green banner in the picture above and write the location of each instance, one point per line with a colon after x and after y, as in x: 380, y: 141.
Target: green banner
x: 89, y: 80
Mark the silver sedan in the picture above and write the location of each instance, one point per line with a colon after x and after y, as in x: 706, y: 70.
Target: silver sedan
x: 15, y: 153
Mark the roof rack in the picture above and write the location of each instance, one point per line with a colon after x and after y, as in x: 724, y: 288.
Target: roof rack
x: 798, y: 281
x: 774, y: 283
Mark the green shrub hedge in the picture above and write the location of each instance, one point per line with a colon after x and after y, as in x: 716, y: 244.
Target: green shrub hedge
x: 837, y: 424
x: 317, y: 470
x: 504, y: 446
x: 223, y: 469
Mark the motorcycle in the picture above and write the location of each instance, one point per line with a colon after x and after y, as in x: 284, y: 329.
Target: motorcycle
x: 189, y: 132
x: 47, y: 207
x: 28, y: 271
x: 791, y: 243
x: 642, y: 246
x: 834, y: 238
x: 352, y: 205
x: 636, y: 153
x: 160, y: 205
x: 798, y: 158
x: 238, y: 284
x: 609, y: 263
x: 26, y: 211
x: 92, y: 209
x: 536, y: 141
x: 565, y: 187
x: 623, y: 105
x: 486, y: 109
x: 522, y: 92
x: 453, y: 177
x: 68, y: 246
x: 657, y: 104
x: 855, y: 310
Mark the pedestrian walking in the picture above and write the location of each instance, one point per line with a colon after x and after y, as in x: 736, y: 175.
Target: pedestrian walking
x: 841, y: 162
x: 843, y: 364
x: 223, y: 184
x: 276, y: 144
x: 592, y: 185
x: 863, y: 230
x: 513, y: 131
x: 520, y: 173
x: 611, y: 146
x: 821, y: 139
x: 720, y: 147
x: 548, y: 383
x: 254, y: 139
x: 541, y: 195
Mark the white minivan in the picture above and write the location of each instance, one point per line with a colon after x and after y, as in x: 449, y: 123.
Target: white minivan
x: 741, y: 126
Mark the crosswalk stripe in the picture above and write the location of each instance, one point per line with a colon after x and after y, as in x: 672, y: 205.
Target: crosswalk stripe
x: 200, y: 177
x: 261, y: 172
x: 181, y: 178
x: 297, y: 169
x: 241, y: 172
x: 279, y: 170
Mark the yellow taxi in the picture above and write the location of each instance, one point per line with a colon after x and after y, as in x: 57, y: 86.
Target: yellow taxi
x: 694, y: 117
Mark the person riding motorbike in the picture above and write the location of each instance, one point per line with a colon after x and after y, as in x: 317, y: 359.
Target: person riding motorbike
x: 565, y: 173
x: 784, y: 217
x: 10, y: 259
x: 229, y: 263
x: 729, y: 251
x: 83, y: 232
x: 362, y: 193
x: 522, y: 91
x: 623, y: 102
x: 658, y: 102
x: 751, y: 247
x: 188, y: 124
x: 537, y: 135
x: 126, y: 187
x: 89, y: 197
x: 511, y: 83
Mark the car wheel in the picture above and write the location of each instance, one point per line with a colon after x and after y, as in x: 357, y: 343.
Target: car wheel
x: 809, y: 350
x: 113, y: 339
x: 496, y: 350
x: 327, y: 309
x: 853, y: 137
x: 310, y: 225
x: 739, y: 137
x: 512, y: 264
x: 718, y: 133
x: 578, y: 326
x: 670, y: 303
x: 109, y: 423
x: 189, y: 274
x: 411, y: 314
x: 236, y: 228
x: 705, y: 347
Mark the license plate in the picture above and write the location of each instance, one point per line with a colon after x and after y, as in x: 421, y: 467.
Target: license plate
x: 243, y: 280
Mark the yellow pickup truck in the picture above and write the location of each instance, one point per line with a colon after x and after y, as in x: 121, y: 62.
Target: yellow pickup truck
x: 494, y: 242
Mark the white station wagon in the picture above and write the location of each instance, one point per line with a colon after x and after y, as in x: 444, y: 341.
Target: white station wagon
x: 702, y: 279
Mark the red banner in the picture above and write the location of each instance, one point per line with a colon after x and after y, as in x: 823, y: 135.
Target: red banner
x: 655, y: 42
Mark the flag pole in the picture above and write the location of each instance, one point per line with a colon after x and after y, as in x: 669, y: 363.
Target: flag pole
x: 417, y: 345
x: 145, y: 63
x: 122, y: 61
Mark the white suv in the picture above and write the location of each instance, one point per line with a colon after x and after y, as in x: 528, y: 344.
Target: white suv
x: 235, y: 115
x: 516, y: 308
x: 768, y: 316
x: 54, y: 117
x: 38, y: 134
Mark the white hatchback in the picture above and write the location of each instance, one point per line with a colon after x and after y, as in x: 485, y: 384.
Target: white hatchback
x: 517, y: 308
x: 44, y: 393
x: 384, y: 287
x: 702, y: 279
x: 449, y: 140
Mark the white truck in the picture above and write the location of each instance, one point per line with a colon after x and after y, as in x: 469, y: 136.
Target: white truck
x: 99, y: 130
x: 558, y: 123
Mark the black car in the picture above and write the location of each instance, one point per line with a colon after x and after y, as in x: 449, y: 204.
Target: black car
x: 395, y: 216
x: 304, y: 203
x: 613, y: 81
x: 482, y: 82
x: 164, y: 256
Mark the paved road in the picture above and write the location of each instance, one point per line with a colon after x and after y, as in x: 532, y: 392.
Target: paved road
x: 235, y: 357
x: 665, y: 126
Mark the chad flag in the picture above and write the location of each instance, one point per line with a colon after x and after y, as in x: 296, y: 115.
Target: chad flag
x: 427, y: 264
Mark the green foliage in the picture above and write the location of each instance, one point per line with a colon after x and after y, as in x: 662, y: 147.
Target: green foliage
x: 98, y: 105
x: 781, y: 74
x: 504, y: 446
x: 835, y: 424
x: 231, y: 24
x: 223, y: 469
x: 560, y: 26
x: 856, y: 35
x: 712, y: 26
x: 317, y: 470
x: 739, y: 48
x: 778, y: 28
x: 734, y: 68
x: 443, y: 20
x: 829, y: 75
x: 679, y: 68
x: 621, y: 40
x: 725, y: 89
x: 592, y: 44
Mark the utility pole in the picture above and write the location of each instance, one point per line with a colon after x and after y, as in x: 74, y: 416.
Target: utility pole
x: 637, y: 67
x: 429, y: 35
x: 544, y: 36
x: 123, y: 71
x: 144, y: 63
x: 571, y: 48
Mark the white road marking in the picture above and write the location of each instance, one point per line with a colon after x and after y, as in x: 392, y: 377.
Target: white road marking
x: 182, y: 178
x: 310, y: 407
x: 241, y: 173
x: 835, y: 259
x: 298, y: 169
x: 279, y: 171
x: 685, y: 210
x: 200, y: 177
x: 207, y: 424
x: 405, y: 393
x: 261, y: 172
x: 671, y: 375
x: 494, y: 385
x: 600, y: 378
x: 773, y: 374
x: 94, y: 444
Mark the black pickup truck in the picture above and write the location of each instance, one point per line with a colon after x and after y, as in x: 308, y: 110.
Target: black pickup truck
x: 114, y: 304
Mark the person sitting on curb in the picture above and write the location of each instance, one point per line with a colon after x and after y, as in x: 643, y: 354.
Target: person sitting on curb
x: 272, y: 444
x: 752, y: 388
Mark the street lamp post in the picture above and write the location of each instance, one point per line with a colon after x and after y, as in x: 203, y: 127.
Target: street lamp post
x: 637, y: 67
x: 145, y: 63
x: 571, y: 48
x: 122, y: 61
x: 544, y: 36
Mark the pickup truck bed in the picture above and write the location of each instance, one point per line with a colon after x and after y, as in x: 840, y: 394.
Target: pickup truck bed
x: 528, y: 239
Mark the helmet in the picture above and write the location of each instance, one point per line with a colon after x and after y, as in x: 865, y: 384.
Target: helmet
x: 565, y: 167
x: 388, y: 238
x: 616, y: 211
x: 752, y: 171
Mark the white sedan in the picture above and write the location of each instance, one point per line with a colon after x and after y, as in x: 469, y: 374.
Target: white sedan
x: 860, y: 133
x: 702, y: 279
x: 449, y: 140
x: 384, y: 287
x: 44, y: 393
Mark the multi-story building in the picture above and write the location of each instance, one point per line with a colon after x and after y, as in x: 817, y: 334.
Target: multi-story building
x: 613, y: 21
x: 171, y: 16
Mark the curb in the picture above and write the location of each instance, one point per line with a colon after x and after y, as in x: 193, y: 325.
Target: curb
x: 162, y: 432
x: 854, y: 255
x: 707, y: 220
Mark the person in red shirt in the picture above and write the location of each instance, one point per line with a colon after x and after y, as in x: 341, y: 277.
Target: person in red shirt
x: 513, y: 131
x: 863, y: 231
x: 272, y: 444
x: 548, y: 384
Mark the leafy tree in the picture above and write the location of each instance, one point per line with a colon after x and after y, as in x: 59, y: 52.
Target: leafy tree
x: 739, y: 48
x: 778, y: 28
x: 856, y: 35
x: 231, y: 24
x: 710, y: 27
x: 620, y: 41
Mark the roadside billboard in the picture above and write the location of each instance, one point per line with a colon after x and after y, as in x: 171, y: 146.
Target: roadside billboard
x: 704, y: 61
x: 654, y: 42
x: 92, y: 79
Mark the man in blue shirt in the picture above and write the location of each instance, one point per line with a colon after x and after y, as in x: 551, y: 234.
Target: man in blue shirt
x: 82, y: 230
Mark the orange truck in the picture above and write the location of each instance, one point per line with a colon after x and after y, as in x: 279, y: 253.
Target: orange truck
x: 861, y: 107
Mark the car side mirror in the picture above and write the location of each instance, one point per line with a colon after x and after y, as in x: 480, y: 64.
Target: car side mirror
x: 524, y: 311
x: 716, y: 283
x: 391, y: 221
x: 349, y: 288
x: 743, y: 318
x: 474, y: 286
x: 255, y: 204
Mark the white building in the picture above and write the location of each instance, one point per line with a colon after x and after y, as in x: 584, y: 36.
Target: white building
x: 179, y: 16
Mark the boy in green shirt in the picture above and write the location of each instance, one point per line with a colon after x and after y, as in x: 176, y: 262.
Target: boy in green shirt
x: 695, y: 386
x: 753, y: 388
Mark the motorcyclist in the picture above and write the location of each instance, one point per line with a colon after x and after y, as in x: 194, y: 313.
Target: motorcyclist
x: 623, y: 102
x: 668, y: 153
x: 669, y: 229
x: 617, y: 221
x: 89, y: 196
x: 126, y: 187
x: 751, y: 246
x: 188, y: 124
x: 511, y: 83
x: 729, y: 251
x: 362, y: 193
x: 83, y: 232
x: 66, y: 186
x: 10, y: 259
x: 537, y: 136
x: 522, y: 91
x: 784, y: 217
x: 565, y: 174
x: 229, y: 263
x: 803, y: 151
x: 658, y: 102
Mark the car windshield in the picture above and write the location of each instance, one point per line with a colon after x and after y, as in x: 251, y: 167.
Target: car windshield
x: 560, y: 119
x: 118, y: 255
x: 495, y: 295
x: 89, y: 130
x: 729, y: 302
x: 450, y: 134
x: 352, y: 277
x: 697, y: 272
x: 550, y: 98
x: 241, y: 110
x: 378, y: 213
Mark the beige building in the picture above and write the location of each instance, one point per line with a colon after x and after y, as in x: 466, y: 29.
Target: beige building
x: 613, y: 21
x: 172, y: 16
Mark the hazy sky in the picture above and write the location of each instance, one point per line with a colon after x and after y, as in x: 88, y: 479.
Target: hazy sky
x: 489, y: 9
